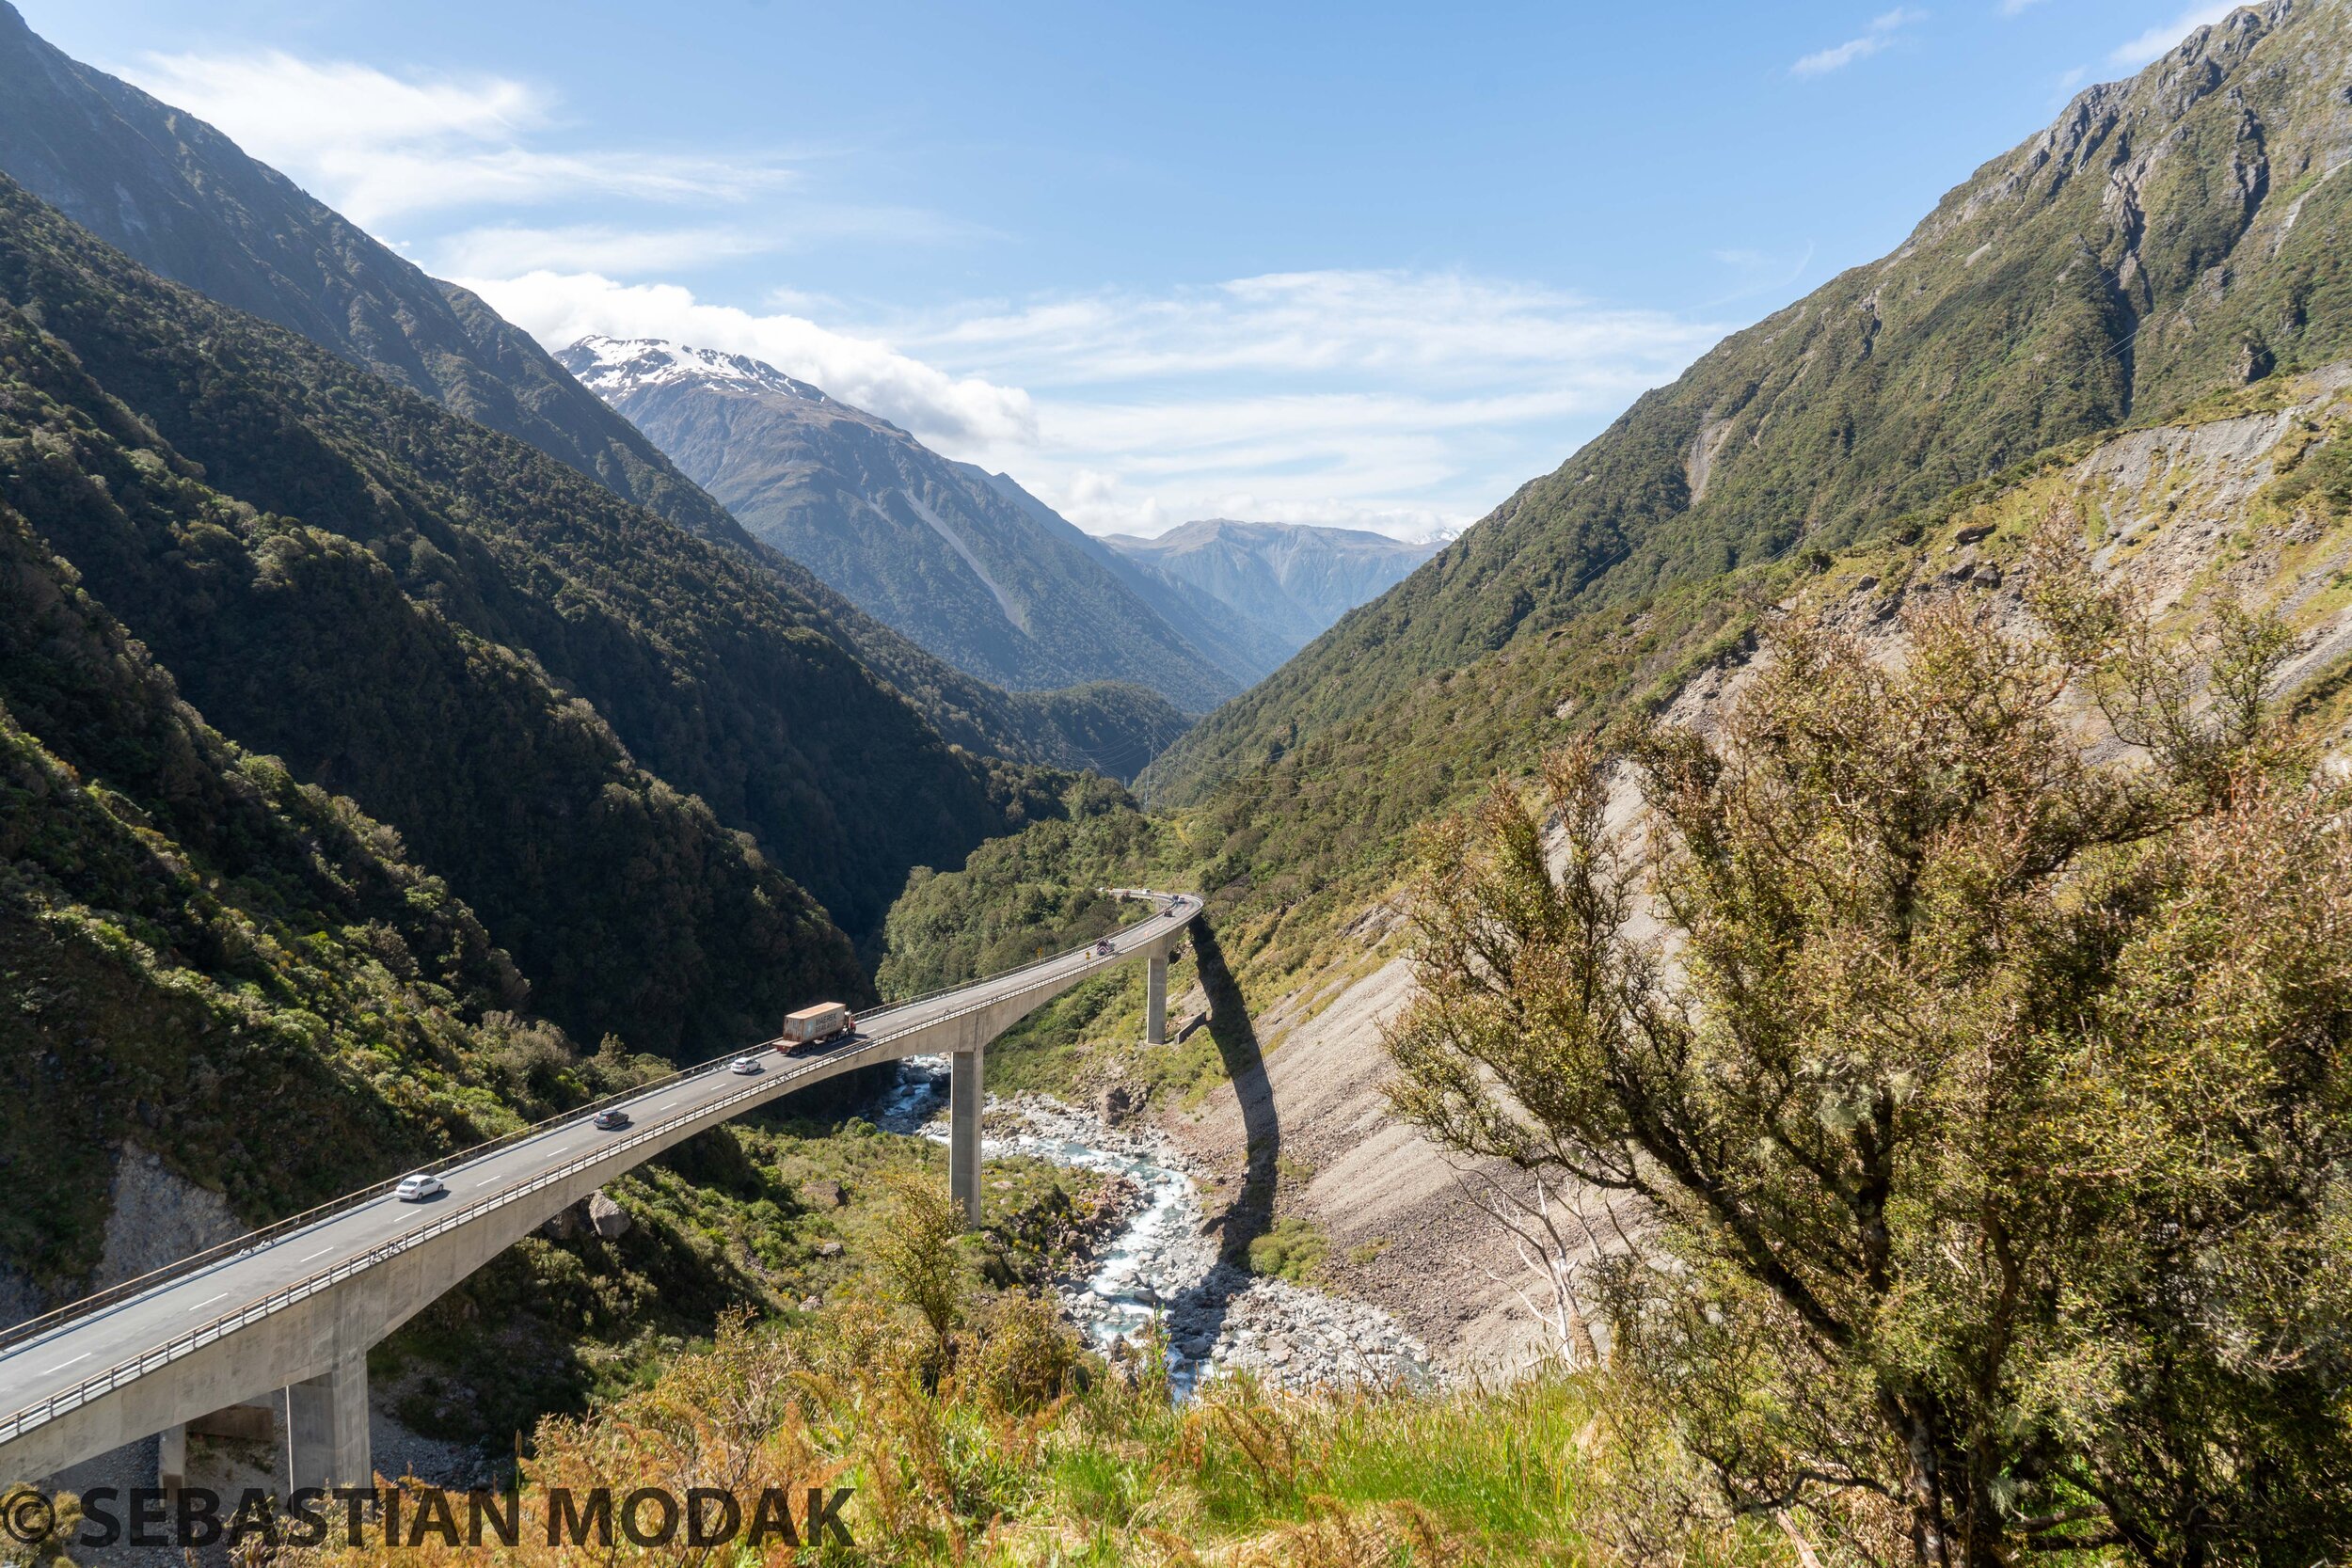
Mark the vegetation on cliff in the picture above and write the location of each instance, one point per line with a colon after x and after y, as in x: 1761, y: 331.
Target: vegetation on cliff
x: 240, y: 967
x: 1980, y: 1108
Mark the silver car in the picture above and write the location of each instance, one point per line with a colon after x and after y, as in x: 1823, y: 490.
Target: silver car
x: 417, y: 1188
x: 744, y: 1065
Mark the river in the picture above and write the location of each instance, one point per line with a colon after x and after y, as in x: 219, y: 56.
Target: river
x: 1219, y: 1318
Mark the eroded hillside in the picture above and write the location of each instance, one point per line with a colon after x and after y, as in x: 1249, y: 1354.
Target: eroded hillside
x: 2246, y: 499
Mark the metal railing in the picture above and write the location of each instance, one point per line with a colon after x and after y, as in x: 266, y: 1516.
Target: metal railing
x: 1168, y: 902
x: 33, y: 1328
x: 49, y: 1407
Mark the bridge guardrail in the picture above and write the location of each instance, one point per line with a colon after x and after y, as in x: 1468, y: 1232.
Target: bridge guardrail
x: 16, y: 1424
x: 1171, y: 899
x: 33, y: 1328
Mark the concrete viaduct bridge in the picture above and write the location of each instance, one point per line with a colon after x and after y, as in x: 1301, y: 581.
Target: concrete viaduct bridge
x: 297, y: 1306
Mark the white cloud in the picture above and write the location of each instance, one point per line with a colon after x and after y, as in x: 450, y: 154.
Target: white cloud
x: 1757, y: 271
x: 1879, y: 35
x: 508, y: 250
x: 1401, y: 402
x: 2017, y: 8
x: 1439, y: 325
x: 1397, y: 400
x: 559, y: 308
x: 375, y: 146
x: 2159, y: 39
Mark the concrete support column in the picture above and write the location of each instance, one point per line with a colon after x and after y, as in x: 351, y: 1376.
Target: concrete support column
x: 327, y: 1428
x: 963, y: 1133
x: 1155, y: 997
x: 171, y: 1458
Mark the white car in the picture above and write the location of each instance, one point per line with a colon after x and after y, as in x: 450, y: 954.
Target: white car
x: 417, y: 1188
x: 744, y: 1065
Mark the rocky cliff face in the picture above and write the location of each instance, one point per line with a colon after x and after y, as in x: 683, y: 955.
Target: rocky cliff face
x: 1012, y: 595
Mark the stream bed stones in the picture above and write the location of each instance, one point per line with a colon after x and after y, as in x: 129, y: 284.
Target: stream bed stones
x: 1167, y: 1265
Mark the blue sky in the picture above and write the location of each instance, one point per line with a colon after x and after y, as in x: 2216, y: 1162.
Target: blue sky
x: 1370, y: 264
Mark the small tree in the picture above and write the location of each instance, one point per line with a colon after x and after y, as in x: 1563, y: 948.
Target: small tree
x: 919, y: 1251
x: 1990, y: 1104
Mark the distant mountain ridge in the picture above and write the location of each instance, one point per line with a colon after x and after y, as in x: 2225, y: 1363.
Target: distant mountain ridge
x: 1242, y: 647
x: 1293, y: 579
x: 181, y: 198
x: 932, y: 547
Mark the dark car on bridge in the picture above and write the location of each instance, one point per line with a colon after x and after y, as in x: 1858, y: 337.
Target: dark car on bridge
x: 609, y: 1121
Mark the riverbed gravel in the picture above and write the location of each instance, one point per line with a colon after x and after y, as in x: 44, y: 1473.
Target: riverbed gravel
x: 1166, y: 1266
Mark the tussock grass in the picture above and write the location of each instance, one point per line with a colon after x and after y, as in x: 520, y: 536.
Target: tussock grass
x: 998, y: 1458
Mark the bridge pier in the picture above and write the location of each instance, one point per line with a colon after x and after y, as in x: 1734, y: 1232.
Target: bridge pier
x: 171, y: 1457
x: 1155, y: 997
x: 291, y: 1366
x: 964, y: 1133
x: 327, y: 1428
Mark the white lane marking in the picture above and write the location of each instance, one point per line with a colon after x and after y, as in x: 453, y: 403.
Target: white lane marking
x: 323, y: 1251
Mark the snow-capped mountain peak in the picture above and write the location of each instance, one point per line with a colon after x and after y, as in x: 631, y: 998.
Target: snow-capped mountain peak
x: 616, y: 366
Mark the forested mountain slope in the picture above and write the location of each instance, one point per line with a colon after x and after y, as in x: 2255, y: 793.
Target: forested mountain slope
x: 183, y: 201
x: 928, y: 546
x: 2180, y: 231
x: 233, y: 996
x: 584, y: 862
x: 520, y: 670
x: 239, y: 966
x: 2243, y: 500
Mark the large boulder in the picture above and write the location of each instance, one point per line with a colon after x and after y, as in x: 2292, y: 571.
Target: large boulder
x: 609, y: 1218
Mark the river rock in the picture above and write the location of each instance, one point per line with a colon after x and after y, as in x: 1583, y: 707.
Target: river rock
x: 1164, y: 1265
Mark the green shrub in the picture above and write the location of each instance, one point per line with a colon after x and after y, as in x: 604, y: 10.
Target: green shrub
x: 1289, y: 1251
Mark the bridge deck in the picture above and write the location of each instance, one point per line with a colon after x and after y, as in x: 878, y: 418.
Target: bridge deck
x: 84, y: 1355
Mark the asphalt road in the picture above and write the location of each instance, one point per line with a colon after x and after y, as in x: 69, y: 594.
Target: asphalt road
x: 113, y: 1334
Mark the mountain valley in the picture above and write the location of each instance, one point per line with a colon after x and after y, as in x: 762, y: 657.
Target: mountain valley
x: 1292, y: 580
x: 414, y: 733
x: 1010, y: 592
